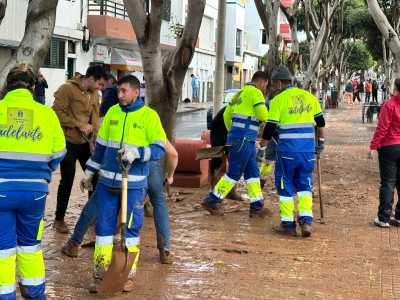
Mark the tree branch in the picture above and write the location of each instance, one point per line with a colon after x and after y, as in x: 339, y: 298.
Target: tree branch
x: 3, y: 7
x: 137, y: 12
x: 40, y: 22
x: 262, y: 12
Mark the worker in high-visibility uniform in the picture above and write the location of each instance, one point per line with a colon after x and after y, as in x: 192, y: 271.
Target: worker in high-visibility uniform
x: 242, y: 119
x: 134, y: 131
x: 32, y: 144
x: 294, y: 112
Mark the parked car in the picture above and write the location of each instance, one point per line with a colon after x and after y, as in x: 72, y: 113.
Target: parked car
x: 228, y: 94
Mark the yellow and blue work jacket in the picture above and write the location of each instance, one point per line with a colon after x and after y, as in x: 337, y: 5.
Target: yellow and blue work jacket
x: 294, y: 112
x: 136, y: 126
x: 244, y: 113
x: 32, y: 143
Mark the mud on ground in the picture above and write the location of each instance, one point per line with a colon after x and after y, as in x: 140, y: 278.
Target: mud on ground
x: 234, y: 257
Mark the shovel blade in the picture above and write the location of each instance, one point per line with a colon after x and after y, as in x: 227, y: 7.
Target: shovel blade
x: 117, y: 274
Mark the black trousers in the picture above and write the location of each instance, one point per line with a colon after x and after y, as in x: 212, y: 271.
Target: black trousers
x: 356, y: 96
x: 389, y: 168
x: 375, y: 97
x: 75, y: 152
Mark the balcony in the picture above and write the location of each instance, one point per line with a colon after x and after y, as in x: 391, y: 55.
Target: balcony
x: 108, y: 20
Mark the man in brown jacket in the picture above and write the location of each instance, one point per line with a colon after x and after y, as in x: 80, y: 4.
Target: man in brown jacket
x: 77, y: 106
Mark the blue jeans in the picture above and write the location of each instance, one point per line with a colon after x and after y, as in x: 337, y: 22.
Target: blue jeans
x: 157, y: 199
x: 86, y: 218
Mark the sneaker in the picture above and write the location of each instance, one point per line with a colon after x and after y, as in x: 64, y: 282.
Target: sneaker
x: 379, y: 223
x: 70, y: 249
x: 261, y: 213
x: 214, y: 211
x: 287, y: 231
x: 394, y: 222
x: 60, y: 226
x: 305, y: 230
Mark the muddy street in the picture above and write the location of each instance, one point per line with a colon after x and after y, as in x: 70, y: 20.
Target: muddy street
x: 234, y: 257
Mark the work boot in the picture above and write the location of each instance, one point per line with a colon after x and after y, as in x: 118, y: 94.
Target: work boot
x: 60, y: 226
x: 129, y: 285
x: 70, y: 249
x: 93, y: 285
x: 261, y: 213
x: 217, y: 210
x: 165, y: 257
x: 305, y: 230
x: 234, y: 195
x: 283, y: 230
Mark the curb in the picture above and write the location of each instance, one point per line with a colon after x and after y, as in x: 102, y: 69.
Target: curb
x: 190, y: 111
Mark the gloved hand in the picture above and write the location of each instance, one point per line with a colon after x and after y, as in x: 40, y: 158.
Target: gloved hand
x: 261, y: 154
x: 86, y: 183
x: 129, y: 155
x: 320, y: 146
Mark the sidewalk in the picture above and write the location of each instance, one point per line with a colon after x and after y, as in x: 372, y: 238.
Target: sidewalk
x: 191, y: 107
x: 234, y: 257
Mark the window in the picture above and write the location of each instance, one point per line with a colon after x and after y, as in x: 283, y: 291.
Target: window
x: 56, y: 55
x: 264, y: 37
x: 238, y: 42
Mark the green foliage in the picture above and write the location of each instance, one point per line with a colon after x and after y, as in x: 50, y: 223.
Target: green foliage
x: 359, y: 57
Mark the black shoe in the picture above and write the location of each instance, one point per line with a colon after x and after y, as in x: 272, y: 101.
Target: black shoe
x: 305, y: 230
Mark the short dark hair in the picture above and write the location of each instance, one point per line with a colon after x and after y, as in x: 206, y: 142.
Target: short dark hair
x: 108, y: 76
x: 259, y: 75
x: 21, y: 76
x: 96, y: 71
x: 131, y: 80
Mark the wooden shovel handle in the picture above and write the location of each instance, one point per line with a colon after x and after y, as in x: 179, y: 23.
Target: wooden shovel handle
x: 124, y: 198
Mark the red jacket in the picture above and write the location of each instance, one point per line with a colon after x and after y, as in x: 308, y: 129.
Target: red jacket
x: 388, y: 130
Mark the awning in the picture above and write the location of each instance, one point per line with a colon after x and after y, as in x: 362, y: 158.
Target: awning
x: 126, y: 60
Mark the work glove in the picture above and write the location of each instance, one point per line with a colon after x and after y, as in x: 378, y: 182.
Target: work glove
x: 128, y: 155
x: 86, y: 183
x: 320, y: 146
x: 261, y: 154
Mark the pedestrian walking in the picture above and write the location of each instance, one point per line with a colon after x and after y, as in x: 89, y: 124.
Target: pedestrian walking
x: 242, y: 118
x: 348, y: 92
x: 375, y: 88
x: 40, y: 89
x: 294, y: 112
x: 368, y: 90
x: 356, y: 93
x: 134, y: 132
x: 32, y: 145
x: 77, y: 106
x: 195, y: 88
x: 386, y: 142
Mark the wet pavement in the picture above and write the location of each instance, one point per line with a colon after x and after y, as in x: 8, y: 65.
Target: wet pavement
x: 234, y: 257
x: 190, y: 125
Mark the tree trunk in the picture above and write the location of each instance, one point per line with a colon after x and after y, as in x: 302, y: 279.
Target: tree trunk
x: 3, y: 7
x: 35, y: 44
x: 387, y: 31
x: 164, y: 73
x: 220, y: 59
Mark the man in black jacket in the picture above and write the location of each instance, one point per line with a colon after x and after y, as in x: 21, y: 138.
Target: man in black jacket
x: 109, y: 94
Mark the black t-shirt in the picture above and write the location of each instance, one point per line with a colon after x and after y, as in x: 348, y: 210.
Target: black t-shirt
x: 218, y: 131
